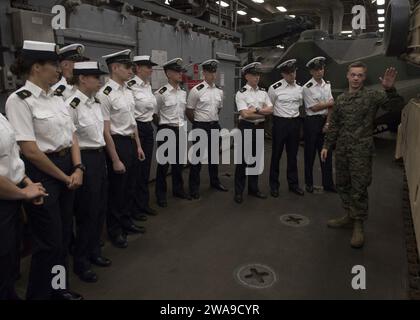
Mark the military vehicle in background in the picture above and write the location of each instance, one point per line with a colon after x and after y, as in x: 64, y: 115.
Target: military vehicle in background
x: 298, y: 40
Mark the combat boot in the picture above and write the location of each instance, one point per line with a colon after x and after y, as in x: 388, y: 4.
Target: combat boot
x: 342, y: 222
x: 358, y: 238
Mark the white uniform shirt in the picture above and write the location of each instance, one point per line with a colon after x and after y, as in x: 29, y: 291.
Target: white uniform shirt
x: 286, y: 99
x: 206, y: 102
x: 87, y: 116
x: 11, y: 166
x: 118, y: 108
x: 171, y: 105
x: 144, y: 99
x: 249, y: 97
x: 314, y: 93
x: 41, y: 117
x: 66, y: 89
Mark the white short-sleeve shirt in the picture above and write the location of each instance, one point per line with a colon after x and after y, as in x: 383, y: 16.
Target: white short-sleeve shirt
x: 314, y: 93
x: 145, y: 101
x: 249, y: 97
x: 170, y: 105
x: 286, y: 98
x: 11, y: 166
x: 206, y: 101
x: 40, y: 116
x: 117, y: 103
x: 87, y: 116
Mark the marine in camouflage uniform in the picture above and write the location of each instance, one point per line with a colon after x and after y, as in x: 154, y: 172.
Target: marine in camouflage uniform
x: 351, y: 129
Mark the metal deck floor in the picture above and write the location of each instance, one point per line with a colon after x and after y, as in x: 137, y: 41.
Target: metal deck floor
x: 192, y: 248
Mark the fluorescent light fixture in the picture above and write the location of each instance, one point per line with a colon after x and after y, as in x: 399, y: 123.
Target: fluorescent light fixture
x: 241, y: 12
x: 255, y: 19
x: 346, y: 31
x: 258, y: 1
x: 349, y: 35
x: 381, y: 30
x: 380, y: 11
x: 381, y: 19
x: 282, y: 9
x: 380, y: 2
x: 292, y: 16
x: 381, y: 25
x: 280, y: 46
x: 222, y: 4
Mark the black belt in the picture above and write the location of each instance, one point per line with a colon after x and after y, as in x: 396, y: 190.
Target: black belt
x: 277, y: 117
x: 119, y: 136
x: 92, y: 150
x: 207, y: 122
x: 144, y: 122
x: 59, y: 154
x: 317, y: 115
x: 249, y: 122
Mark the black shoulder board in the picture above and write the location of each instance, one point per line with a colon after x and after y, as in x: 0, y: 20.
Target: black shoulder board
x: 59, y: 91
x: 131, y: 83
x: 242, y: 90
x: 107, y: 90
x: 262, y: 89
x: 162, y: 91
x: 74, y: 103
x: 182, y: 88
x: 23, y: 94
x: 310, y: 84
x: 277, y: 85
x: 201, y: 86
x: 327, y: 82
x: 218, y: 87
x: 97, y: 100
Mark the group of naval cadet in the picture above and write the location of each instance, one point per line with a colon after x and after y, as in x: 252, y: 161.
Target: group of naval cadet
x: 76, y: 155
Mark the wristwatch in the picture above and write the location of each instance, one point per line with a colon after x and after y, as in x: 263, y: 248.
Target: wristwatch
x: 80, y: 166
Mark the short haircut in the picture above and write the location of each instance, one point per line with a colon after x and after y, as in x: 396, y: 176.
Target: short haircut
x: 357, y: 64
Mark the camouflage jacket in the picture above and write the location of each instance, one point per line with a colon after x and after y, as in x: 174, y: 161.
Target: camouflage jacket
x: 354, y: 113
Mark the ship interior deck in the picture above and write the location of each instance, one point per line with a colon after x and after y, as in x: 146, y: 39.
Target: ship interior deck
x: 201, y: 249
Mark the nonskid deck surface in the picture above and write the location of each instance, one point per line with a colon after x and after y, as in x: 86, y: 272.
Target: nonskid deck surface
x: 213, y: 248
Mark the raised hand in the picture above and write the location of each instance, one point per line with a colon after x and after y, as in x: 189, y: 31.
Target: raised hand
x: 388, y: 80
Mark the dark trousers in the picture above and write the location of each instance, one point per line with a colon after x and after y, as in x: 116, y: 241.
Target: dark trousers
x: 314, y: 140
x: 90, y: 209
x: 162, y: 169
x: 121, y: 186
x: 240, y: 169
x: 285, y: 133
x: 51, y: 226
x: 9, y: 251
x: 146, y: 134
x: 194, y: 178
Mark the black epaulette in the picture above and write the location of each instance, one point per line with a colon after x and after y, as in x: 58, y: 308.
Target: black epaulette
x: 182, y: 88
x: 218, y: 87
x: 131, y: 83
x: 199, y: 87
x: 328, y: 82
x: 162, y: 90
x: 310, y: 84
x: 242, y: 90
x: 277, y: 85
x: 107, y: 90
x: 75, y: 102
x: 97, y: 100
x: 23, y: 94
x: 59, y: 91
x: 262, y: 89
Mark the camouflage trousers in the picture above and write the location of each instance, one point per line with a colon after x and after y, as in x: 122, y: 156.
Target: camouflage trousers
x: 353, y: 177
